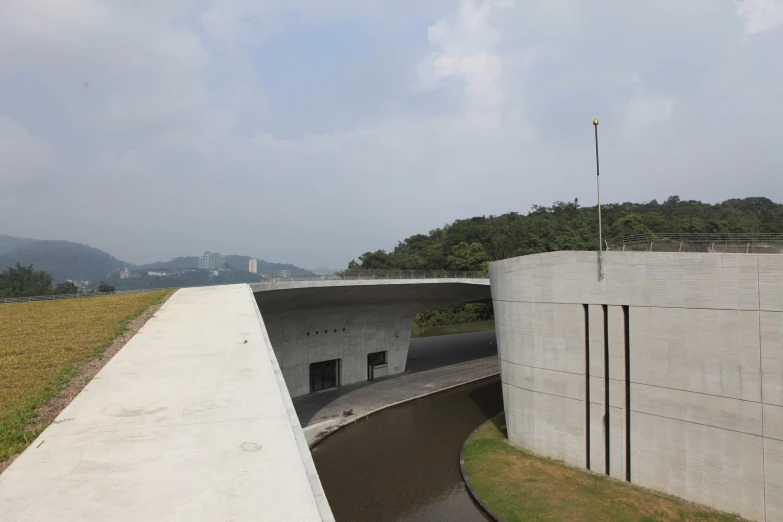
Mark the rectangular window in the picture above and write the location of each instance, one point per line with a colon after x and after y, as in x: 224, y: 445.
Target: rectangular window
x: 376, y: 365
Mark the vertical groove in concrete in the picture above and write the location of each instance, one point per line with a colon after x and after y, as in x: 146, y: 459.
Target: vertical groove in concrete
x: 627, y: 343
x: 607, y: 421
x: 587, y: 384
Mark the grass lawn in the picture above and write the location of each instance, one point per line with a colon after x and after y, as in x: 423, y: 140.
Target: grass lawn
x: 518, y: 486
x: 429, y: 331
x: 44, y: 344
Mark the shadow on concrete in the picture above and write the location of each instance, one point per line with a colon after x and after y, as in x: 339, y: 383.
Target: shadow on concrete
x: 424, y: 354
x: 427, y: 353
x: 486, y: 398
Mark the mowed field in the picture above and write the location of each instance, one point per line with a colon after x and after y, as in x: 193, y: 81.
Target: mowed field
x: 520, y: 487
x: 43, y: 345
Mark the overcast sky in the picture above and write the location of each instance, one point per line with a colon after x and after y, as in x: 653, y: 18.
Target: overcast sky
x: 311, y: 131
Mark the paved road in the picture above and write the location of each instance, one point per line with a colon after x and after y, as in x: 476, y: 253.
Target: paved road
x: 434, y: 364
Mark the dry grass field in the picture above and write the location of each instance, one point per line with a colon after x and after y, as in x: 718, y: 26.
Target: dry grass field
x: 46, y: 345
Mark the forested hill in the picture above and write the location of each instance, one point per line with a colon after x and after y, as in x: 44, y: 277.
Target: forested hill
x: 469, y: 244
x: 63, y: 259
x: 235, y: 262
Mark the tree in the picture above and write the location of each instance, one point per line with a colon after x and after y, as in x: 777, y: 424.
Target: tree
x: 105, y: 287
x: 468, y: 257
x: 24, y: 281
x: 630, y: 225
x: 66, y: 287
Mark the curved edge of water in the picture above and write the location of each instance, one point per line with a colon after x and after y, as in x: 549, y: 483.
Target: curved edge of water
x: 472, y: 492
x: 331, y: 430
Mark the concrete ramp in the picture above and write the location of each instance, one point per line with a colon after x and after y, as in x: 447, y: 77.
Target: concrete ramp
x: 191, y: 420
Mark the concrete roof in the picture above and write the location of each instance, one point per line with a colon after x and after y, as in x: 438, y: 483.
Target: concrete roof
x: 191, y: 420
x: 428, y: 293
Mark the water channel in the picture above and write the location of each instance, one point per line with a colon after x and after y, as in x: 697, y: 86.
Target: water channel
x: 402, y: 464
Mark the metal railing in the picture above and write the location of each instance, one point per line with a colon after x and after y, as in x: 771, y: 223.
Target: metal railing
x: 59, y: 297
x: 719, y: 243
x: 345, y: 275
x: 383, y: 274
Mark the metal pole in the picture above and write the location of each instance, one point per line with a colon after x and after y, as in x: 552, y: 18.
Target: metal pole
x: 598, y: 190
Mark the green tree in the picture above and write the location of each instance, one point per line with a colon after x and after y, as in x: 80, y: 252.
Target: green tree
x: 630, y: 225
x: 466, y: 256
x: 24, y: 281
x: 66, y: 287
x: 105, y: 287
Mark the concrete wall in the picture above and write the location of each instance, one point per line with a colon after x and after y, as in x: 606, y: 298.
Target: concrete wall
x: 313, y: 321
x: 698, y: 414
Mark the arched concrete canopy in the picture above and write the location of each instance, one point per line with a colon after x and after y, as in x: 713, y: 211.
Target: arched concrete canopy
x: 345, y: 320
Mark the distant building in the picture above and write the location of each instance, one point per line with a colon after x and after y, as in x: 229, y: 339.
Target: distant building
x: 125, y: 273
x: 252, y: 265
x: 83, y: 286
x: 157, y: 274
x: 211, y: 261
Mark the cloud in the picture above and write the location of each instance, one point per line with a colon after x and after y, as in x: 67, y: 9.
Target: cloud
x: 311, y: 132
x: 645, y: 108
x: 760, y: 15
x: 22, y: 155
x: 465, y: 43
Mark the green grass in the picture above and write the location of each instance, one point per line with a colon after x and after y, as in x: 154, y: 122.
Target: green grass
x: 449, y: 329
x: 519, y: 486
x: 43, y: 345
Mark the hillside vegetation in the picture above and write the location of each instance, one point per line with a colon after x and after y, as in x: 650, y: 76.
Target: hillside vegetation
x: 63, y: 259
x: 470, y: 244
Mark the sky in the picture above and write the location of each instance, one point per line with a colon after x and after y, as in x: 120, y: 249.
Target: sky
x: 311, y: 132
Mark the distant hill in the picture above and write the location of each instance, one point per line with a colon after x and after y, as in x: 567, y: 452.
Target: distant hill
x: 241, y: 263
x: 236, y: 262
x: 63, y: 259
x: 69, y: 260
x: 178, y: 263
x: 11, y: 243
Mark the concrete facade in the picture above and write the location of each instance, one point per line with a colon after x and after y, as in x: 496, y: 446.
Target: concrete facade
x: 191, y: 420
x: 672, y: 366
x: 314, y: 321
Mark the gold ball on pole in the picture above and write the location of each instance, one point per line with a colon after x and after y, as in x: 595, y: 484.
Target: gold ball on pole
x: 595, y: 122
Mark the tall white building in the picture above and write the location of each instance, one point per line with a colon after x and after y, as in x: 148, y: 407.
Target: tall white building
x: 211, y: 261
x: 252, y: 265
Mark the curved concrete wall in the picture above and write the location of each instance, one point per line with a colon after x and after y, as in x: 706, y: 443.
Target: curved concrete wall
x: 671, y: 366
x: 313, y: 321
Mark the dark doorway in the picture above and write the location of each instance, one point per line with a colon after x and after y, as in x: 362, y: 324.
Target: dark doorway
x: 377, y: 365
x: 324, y: 375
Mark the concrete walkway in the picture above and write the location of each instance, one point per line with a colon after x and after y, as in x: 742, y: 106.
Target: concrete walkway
x: 191, y: 420
x: 465, y: 361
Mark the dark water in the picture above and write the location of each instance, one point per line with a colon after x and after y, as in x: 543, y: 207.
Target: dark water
x: 402, y: 464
